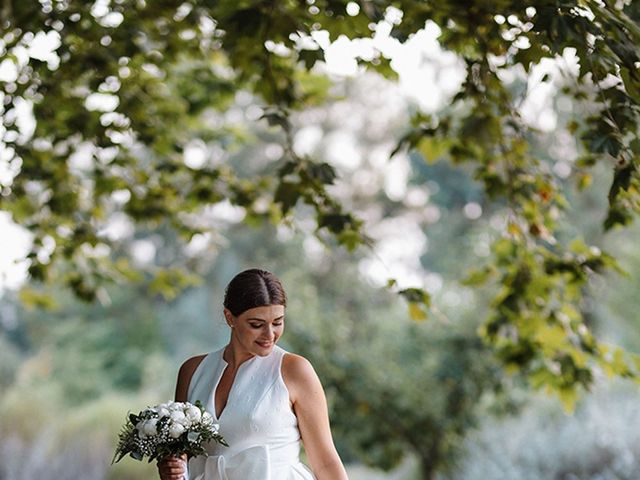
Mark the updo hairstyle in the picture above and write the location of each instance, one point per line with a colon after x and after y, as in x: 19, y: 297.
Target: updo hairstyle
x: 253, y: 288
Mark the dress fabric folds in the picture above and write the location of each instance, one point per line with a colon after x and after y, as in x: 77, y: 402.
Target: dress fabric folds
x: 257, y: 422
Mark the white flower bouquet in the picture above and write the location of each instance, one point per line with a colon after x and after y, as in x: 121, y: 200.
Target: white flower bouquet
x: 171, y: 428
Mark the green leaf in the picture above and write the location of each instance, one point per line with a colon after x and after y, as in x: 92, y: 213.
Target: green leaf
x: 552, y: 338
x: 322, y: 173
x: 416, y: 295
x: 287, y: 195
x: 503, y: 249
x: 584, y: 181
x: 621, y: 181
x: 136, y: 455
x: 631, y: 83
x: 170, y: 282
x: 568, y: 397
x: 277, y: 119
x: 616, y: 217
x: 417, y: 312
x: 335, y: 222
x: 432, y: 149
x: 35, y: 299
x: 579, y: 247
x: 419, y: 301
x: 310, y: 57
x: 479, y: 276
x: 618, y: 362
x: 351, y: 239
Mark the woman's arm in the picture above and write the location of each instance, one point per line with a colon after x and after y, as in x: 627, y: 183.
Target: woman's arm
x: 173, y: 468
x: 310, y: 406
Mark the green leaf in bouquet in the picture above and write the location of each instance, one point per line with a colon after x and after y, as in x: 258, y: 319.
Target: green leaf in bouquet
x: 118, y: 455
x: 161, y: 423
x: 136, y: 455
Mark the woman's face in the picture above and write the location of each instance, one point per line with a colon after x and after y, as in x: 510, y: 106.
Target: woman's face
x: 258, y: 329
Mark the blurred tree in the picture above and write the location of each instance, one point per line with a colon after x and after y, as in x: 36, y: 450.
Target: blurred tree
x: 395, y: 388
x: 88, y: 350
x: 126, y: 74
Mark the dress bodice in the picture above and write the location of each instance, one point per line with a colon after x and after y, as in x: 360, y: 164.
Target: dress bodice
x: 257, y: 422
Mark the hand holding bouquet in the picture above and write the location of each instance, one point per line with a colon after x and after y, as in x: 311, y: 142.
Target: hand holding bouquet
x: 171, y: 428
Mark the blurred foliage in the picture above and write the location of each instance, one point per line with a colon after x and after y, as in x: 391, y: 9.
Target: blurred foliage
x: 173, y: 70
x: 88, y: 350
x: 395, y: 387
x: 11, y: 359
x: 43, y: 437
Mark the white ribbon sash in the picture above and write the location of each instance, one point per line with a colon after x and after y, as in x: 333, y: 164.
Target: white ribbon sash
x: 251, y: 463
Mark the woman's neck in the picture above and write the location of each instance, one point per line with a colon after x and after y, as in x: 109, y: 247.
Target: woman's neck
x: 235, y: 355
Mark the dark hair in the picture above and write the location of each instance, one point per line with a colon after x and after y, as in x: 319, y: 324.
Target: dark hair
x: 253, y: 288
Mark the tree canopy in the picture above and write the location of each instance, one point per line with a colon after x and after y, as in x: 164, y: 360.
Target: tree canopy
x: 132, y: 83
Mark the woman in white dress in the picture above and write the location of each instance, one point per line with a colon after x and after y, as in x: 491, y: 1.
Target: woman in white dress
x: 266, y: 400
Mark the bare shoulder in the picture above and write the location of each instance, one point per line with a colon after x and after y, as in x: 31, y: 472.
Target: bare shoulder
x: 190, y: 364
x: 299, y: 376
x: 297, y: 368
x: 184, y: 376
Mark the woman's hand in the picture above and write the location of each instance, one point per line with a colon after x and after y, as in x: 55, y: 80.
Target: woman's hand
x: 173, y: 468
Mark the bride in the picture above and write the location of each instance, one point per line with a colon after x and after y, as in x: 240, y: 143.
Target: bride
x: 266, y: 400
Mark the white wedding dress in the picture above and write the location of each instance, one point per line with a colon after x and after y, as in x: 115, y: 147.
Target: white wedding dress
x: 257, y: 422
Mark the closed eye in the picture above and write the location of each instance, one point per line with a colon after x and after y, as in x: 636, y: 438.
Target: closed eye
x: 260, y: 325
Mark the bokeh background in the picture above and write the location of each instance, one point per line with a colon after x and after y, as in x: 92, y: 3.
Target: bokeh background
x: 409, y: 400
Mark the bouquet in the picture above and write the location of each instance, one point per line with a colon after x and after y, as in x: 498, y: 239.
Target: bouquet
x: 171, y: 428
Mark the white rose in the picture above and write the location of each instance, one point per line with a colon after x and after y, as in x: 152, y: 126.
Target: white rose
x: 193, y: 414
x: 163, y: 412
x: 179, y: 417
x: 149, y: 427
x: 175, y: 430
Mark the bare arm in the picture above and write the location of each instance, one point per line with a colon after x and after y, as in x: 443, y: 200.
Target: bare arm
x: 173, y: 468
x: 310, y: 407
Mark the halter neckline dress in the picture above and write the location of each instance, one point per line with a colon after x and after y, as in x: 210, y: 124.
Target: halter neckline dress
x: 257, y: 422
